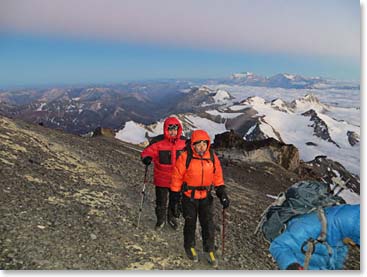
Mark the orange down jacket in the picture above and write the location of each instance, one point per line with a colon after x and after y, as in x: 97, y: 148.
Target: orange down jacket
x: 200, y: 172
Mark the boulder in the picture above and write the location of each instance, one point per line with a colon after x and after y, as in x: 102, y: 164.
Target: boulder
x: 106, y: 132
x: 232, y: 145
x: 353, y: 138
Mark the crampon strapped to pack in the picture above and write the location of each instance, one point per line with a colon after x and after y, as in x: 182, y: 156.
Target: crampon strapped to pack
x: 301, y: 198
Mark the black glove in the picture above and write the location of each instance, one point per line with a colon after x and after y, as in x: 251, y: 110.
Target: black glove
x: 174, y: 201
x: 294, y: 266
x: 223, y: 197
x: 147, y: 160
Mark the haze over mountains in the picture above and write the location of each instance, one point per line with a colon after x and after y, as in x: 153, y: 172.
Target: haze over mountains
x: 318, y: 116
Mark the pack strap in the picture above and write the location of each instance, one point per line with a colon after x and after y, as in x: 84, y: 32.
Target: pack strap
x: 186, y: 187
x: 308, y: 253
x: 204, y: 159
x: 311, y: 242
x: 278, y: 202
x: 190, y: 157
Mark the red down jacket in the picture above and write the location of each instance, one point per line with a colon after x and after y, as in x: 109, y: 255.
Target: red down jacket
x: 164, y: 151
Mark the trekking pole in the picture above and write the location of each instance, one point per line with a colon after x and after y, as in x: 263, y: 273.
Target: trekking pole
x: 142, y: 195
x: 223, y: 229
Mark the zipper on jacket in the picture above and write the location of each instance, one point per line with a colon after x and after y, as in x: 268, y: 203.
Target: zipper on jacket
x: 202, y: 172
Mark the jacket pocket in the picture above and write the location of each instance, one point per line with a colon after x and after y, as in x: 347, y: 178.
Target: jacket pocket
x: 164, y: 157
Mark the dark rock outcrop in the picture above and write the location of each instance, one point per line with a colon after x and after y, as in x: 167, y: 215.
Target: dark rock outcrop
x: 270, y: 150
x: 323, y: 168
x: 106, y: 132
x: 321, y: 129
x: 353, y: 138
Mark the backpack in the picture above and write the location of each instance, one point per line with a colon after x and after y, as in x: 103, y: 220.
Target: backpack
x: 185, y: 186
x: 301, y: 198
x: 160, y: 137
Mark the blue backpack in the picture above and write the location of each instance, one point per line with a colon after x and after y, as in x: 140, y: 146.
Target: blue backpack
x: 301, y: 198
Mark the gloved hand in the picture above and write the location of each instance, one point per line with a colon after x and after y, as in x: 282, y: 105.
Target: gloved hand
x: 295, y: 266
x: 223, y: 197
x: 147, y: 160
x: 174, y: 200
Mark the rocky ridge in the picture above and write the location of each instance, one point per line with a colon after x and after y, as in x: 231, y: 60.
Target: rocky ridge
x: 72, y: 203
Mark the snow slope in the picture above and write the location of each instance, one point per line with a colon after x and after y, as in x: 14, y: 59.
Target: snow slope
x: 281, y: 112
x: 294, y: 128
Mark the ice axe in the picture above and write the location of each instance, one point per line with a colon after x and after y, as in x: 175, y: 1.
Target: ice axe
x: 223, y: 229
x: 338, y: 182
x: 143, y: 195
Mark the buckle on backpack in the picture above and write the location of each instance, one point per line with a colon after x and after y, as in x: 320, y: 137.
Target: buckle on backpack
x: 312, y: 244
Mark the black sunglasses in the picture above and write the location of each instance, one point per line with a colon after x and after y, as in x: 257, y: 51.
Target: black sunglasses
x: 200, y: 141
x: 172, y: 127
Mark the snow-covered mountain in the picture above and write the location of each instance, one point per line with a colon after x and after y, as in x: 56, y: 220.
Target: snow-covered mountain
x: 81, y: 109
x: 139, y: 133
x: 315, y: 128
x: 281, y: 80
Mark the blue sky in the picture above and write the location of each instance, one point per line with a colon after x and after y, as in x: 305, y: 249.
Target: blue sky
x: 48, y: 42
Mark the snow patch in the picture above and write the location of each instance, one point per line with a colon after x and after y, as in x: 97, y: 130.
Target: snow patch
x: 223, y: 115
x: 41, y: 107
x: 133, y: 133
x: 221, y: 96
x: 239, y: 107
x: 211, y: 127
x: 251, y: 130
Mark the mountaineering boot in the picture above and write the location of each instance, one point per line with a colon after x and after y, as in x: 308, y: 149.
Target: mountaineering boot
x: 191, y: 254
x: 210, y: 257
x: 173, y: 223
x: 159, y: 226
x: 171, y: 220
x: 161, y: 218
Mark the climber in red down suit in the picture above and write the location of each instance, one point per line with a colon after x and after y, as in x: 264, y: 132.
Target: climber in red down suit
x: 164, y: 150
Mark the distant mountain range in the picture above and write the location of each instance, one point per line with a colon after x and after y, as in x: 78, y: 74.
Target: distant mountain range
x: 313, y: 127
x: 282, y: 80
x: 80, y: 110
x: 286, y: 80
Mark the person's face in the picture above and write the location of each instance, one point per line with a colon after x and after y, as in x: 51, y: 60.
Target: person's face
x: 172, y: 133
x: 200, y: 147
x: 172, y: 130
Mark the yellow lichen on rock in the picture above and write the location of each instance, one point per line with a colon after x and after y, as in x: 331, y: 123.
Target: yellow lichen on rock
x: 97, y: 201
x: 13, y: 146
x: 135, y: 248
x: 59, y: 157
x: 56, y: 201
x: 164, y: 262
x: 6, y: 162
x: 3, y: 136
x: 88, y: 171
x: 96, y: 212
x: 32, y: 179
x: 141, y: 266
